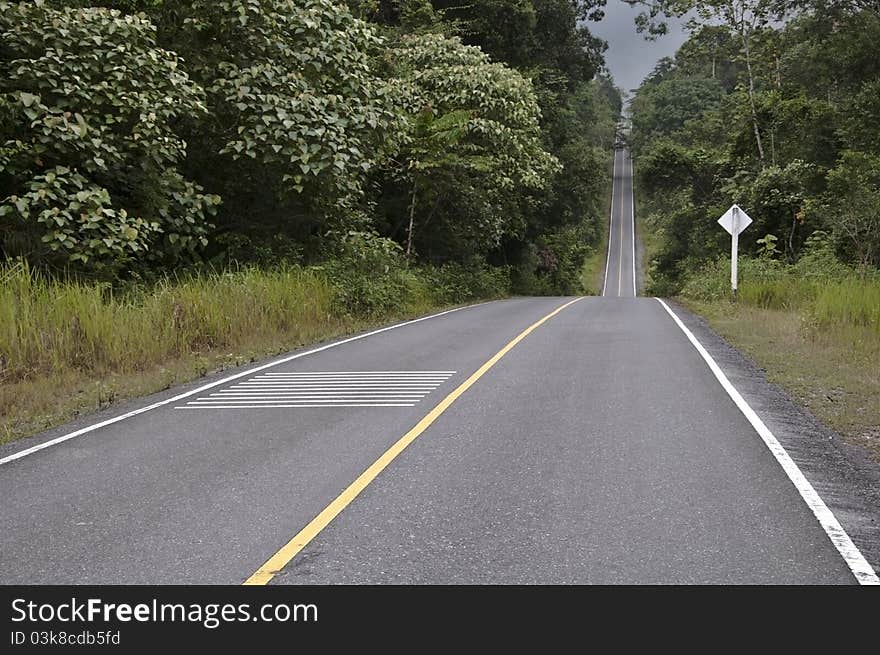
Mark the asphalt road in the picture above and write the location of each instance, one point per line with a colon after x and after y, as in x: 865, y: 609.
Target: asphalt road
x: 598, y: 448
x: 620, y: 267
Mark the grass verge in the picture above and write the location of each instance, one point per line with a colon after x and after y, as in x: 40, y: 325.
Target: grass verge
x: 649, y: 236
x: 832, y: 372
x: 816, y: 336
x: 593, y: 269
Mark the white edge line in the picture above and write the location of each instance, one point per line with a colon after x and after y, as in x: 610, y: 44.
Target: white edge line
x: 861, y: 569
x: 250, y: 371
x: 632, y: 213
x: 610, y: 222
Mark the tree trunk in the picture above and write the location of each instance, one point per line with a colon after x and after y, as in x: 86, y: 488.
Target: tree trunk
x: 412, y: 214
x: 752, y: 106
x: 773, y: 146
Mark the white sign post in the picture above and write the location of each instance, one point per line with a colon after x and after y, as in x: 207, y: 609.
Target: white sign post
x: 735, y: 220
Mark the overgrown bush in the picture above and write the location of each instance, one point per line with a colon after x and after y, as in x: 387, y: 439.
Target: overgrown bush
x: 457, y: 283
x: 371, y: 277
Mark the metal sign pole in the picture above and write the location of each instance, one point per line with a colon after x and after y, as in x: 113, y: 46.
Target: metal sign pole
x: 734, y: 220
x: 734, y: 247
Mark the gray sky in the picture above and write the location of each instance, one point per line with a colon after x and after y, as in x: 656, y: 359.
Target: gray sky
x: 629, y: 56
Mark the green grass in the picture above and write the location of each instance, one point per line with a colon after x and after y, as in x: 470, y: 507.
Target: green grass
x: 854, y: 301
x: 593, y: 268
x: 843, y: 298
x: 832, y: 371
x: 48, y: 327
x: 815, y: 332
x: 69, y: 347
x: 649, y: 236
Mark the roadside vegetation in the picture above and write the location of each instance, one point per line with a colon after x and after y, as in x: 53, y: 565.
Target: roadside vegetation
x: 186, y: 186
x: 593, y: 269
x: 774, y: 106
x: 71, y: 347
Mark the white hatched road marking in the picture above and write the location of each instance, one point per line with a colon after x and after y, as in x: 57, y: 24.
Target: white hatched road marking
x: 328, y: 373
x: 346, y: 380
x: 327, y: 395
x: 429, y: 385
x: 216, y: 383
x: 315, y: 393
x: 188, y: 406
x: 364, y: 378
x: 313, y: 389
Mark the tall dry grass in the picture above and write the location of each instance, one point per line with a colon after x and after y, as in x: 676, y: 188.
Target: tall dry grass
x: 49, y: 326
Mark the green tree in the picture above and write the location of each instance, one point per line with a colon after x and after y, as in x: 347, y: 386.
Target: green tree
x: 503, y: 29
x: 89, y: 115
x: 852, y: 204
x: 744, y: 18
x: 710, y: 52
x: 776, y: 199
x: 664, y: 108
x: 473, y: 147
x: 298, y: 112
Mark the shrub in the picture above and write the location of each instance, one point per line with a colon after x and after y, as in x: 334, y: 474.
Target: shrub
x: 457, y: 283
x: 368, y: 273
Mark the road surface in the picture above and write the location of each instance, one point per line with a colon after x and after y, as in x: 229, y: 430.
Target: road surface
x: 620, y: 279
x: 530, y: 440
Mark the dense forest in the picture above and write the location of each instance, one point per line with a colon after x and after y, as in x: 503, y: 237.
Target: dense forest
x: 146, y: 136
x: 775, y: 105
x: 186, y: 186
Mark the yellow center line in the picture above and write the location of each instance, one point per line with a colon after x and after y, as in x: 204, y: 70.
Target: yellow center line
x: 290, y: 550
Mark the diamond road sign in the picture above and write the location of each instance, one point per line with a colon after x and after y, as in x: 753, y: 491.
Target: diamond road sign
x: 735, y: 218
